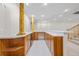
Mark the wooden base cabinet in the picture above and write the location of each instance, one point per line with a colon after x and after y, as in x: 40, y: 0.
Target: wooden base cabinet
x: 34, y: 36
x: 58, y: 46
x: 55, y: 44
x: 12, y: 46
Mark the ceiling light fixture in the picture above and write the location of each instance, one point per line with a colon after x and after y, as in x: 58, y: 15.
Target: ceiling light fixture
x: 66, y: 10
x: 42, y: 15
x: 45, y: 4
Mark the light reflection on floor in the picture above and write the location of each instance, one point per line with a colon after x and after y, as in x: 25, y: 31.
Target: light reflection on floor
x: 39, y: 48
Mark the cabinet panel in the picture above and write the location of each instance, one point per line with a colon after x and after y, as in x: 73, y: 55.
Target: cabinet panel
x: 12, y: 46
x: 58, y: 46
x: 36, y: 35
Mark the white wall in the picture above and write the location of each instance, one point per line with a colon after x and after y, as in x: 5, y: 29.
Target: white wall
x: 9, y: 20
x: 27, y: 25
x: 2, y: 14
x: 54, y: 26
x: 9, y: 14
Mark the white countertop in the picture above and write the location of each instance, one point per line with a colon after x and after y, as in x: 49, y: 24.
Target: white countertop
x: 13, y: 36
x: 17, y: 36
x: 54, y: 34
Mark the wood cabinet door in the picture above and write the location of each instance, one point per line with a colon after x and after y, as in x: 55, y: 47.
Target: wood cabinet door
x: 58, y: 46
x: 12, y: 46
x: 33, y: 36
x: 36, y: 35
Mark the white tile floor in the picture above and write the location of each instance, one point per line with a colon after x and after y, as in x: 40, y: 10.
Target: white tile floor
x: 39, y: 48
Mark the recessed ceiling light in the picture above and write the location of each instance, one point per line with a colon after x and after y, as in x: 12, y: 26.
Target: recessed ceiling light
x: 42, y: 15
x: 66, y: 10
x: 45, y: 4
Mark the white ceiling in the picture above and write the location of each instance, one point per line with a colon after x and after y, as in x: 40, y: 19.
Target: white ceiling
x: 53, y: 16
x: 59, y: 12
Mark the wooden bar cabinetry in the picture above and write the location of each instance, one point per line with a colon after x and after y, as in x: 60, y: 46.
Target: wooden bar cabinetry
x: 12, y: 46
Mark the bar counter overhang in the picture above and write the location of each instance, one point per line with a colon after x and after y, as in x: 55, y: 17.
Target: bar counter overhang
x: 14, y: 45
